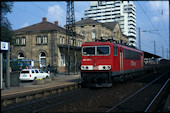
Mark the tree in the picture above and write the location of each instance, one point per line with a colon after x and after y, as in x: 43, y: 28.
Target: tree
x: 6, y: 29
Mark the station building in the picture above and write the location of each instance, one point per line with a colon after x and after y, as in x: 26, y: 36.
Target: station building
x: 93, y: 30
x: 47, y: 43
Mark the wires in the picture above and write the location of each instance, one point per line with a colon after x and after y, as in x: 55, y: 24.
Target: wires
x: 151, y: 22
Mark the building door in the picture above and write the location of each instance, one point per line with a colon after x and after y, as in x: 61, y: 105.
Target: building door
x: 42, y: 58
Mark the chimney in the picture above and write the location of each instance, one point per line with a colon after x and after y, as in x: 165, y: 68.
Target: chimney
x: 56, y: 22
x: 44, y: 19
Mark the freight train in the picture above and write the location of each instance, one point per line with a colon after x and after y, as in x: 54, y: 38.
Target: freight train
x: 103, y: 63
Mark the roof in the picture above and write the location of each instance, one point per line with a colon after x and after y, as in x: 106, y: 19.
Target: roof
x: 87, y: 21
x: 150, y: 55
x: 109, y: 25
x: 42, y: 26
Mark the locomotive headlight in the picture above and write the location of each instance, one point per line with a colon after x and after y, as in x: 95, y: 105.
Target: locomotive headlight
x: 108, y: 67
x: 82, y: 67
x: 104, y: 67
x: 86, y: 67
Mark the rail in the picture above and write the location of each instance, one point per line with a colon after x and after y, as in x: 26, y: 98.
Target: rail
x: 156, y: 95
x: 109, y: 110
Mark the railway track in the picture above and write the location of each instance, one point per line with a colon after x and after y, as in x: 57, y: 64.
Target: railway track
x: 118, y: 98
x: 105, y: 99
x: 142, y: 97
x: 44, y: 103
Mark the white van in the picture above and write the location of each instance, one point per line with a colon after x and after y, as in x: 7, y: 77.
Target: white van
x: 32, y: 74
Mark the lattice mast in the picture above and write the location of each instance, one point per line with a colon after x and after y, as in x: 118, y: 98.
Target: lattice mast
x: 71, y: 35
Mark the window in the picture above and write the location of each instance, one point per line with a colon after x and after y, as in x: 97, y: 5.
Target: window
x: 115, y: 50
x: 24, y: 71
x: 93, y: 35
x: 88, y: 50
x: 38, y: 40
x: 102, y: 50
x: 20, y: 56
x: 79, y: 43
x: 32, y: 71
x: 44, y: 41
x: 17, y: 41
x: 61, y: 40
x: 40, y: 71
x: 131, y: 54
x: 82, y: 33
x: 62, y: 60
x: 36, y: 71
x: 96, y: 50
x: 23, y: 41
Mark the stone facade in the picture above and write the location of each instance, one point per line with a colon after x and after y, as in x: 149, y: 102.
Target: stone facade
x: 93, y: 30
x: 45, y: 42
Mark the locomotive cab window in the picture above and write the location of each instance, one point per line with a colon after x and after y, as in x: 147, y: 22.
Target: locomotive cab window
x: 88, y: 51
x: 96, y: 50
x: 102, y: 50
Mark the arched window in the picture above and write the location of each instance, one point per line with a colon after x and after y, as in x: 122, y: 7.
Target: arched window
x: 62, y: 59
x: 42, y: 58
x: 93, y: 35
x: 82, y: 33
x: 20, y: 56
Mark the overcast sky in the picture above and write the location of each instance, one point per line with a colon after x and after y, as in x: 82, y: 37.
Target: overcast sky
x: 151, y: 16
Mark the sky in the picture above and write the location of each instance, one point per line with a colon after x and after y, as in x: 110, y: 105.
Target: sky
x: 152, y: 17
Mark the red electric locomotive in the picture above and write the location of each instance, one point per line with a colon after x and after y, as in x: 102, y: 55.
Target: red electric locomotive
x: 104, y: 62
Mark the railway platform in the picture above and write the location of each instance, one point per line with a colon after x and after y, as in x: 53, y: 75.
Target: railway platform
x: 30, y: 91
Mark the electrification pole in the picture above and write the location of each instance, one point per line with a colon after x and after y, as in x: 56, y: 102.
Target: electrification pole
x: 70, y: 34
x: 162, y: 52
x: 154, y: 48
x: 139, y: 40
x: 169, y: 31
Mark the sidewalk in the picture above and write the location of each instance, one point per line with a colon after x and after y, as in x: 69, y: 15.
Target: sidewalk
x: 61, y: 81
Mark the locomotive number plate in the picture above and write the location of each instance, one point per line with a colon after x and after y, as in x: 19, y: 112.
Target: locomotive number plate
x: 86, y: 59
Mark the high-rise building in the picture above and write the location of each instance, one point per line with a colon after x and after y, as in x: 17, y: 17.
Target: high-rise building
x: 123, y: 12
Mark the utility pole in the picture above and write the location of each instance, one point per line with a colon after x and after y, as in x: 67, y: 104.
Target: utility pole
x: 162, y: 51
x: 8, y: 67
x: 70, y: 32
x: 167, y: 53
x: 139, y: 40
x: 169, y: 31
x: 154, y: 48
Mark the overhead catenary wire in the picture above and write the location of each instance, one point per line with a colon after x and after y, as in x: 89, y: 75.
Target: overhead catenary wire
x: 151, y: 22
x: 161, y: 16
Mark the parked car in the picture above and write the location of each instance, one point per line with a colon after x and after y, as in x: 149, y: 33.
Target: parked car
x: 32, y: 74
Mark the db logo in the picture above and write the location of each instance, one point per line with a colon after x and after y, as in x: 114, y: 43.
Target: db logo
x: 133, y: 63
